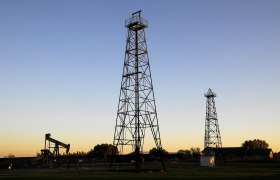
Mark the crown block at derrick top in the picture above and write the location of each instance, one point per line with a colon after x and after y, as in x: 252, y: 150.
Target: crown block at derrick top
x: 136, y: 21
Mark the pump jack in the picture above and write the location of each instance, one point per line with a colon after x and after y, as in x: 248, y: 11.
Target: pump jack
x: 57, y: 145
x: 47, y: 157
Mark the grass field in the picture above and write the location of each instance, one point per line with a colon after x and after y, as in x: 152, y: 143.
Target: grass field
x: 175, y: 170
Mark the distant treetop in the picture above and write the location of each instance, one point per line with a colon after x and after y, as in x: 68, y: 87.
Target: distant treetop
x: 255, y: 144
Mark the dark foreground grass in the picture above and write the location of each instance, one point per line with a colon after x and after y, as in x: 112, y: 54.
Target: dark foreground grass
x: 175, y: 170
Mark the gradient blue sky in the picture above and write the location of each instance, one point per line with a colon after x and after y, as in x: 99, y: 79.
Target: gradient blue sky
x: 61, y: 65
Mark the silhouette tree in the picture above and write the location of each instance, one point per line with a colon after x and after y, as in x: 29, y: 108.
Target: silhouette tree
x: 276, y: 155
x: 182, y: 151
x: 157, y: 152
x: 195, y: 151
x: 185, y: 154
x: 101, y: 150
x: 255, y: 144
x: 10, y: 156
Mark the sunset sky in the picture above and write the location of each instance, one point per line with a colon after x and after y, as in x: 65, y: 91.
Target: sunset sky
x: 61, y: 66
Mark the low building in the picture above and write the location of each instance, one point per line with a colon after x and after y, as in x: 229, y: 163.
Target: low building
x: 258, y: 154
x: 238, y: 153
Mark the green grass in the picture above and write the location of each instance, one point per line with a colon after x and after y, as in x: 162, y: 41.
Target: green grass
x: 175, y: 170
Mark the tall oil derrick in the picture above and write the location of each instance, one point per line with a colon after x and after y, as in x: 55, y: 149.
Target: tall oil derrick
x: 136, y: 109
x: 212, y: 138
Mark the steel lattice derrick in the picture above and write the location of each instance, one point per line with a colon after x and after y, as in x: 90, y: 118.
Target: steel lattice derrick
x: 137, y: 108
x: 212, y: 138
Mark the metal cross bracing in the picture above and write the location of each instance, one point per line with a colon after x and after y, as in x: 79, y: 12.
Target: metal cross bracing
x: 212, y: 138
x: 136, y: 109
